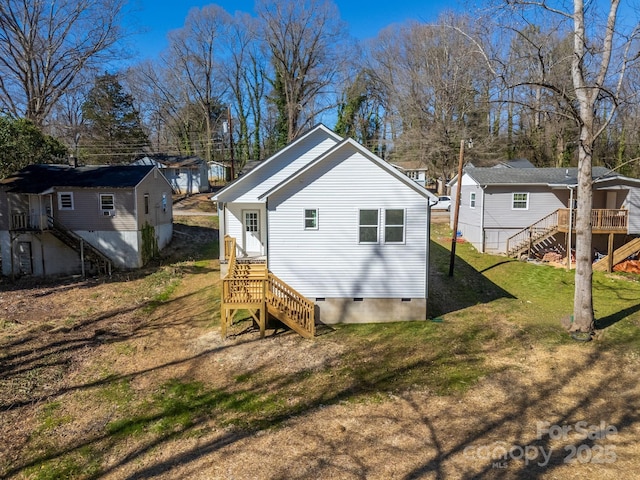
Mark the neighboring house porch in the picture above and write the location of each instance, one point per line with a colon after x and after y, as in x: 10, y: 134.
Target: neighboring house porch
x: 536, y: 238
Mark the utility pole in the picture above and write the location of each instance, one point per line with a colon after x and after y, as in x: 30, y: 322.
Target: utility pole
x: 457, y: 208
x: 233, y: 173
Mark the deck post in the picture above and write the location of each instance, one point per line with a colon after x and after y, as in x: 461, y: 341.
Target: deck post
x: 610, y: 254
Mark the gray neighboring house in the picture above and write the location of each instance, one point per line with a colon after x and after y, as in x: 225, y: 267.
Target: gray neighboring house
x: 186, y: 175
x: 59, y: 219
x: 506, y: 210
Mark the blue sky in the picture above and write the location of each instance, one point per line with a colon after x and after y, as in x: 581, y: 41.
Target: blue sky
x: 364, y: 17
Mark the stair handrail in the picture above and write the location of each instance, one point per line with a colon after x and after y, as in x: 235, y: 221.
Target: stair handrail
x: 298, y: 307
x: 524, y: 236
x: 230, y: 254
x: 57, y: 226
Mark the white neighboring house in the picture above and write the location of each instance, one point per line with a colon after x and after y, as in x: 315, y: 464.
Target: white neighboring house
x: 338, y: 224
x: 186, y: 175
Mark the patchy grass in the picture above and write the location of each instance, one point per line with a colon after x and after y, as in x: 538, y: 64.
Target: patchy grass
x: 158, y: 372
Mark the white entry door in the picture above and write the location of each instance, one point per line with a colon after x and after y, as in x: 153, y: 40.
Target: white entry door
x: 251, y: 224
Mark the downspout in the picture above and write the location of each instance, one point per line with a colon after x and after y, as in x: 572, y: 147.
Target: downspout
x: 570, y: 229
x: 266, y: 229
x: 221, y: 230
x: 427, y: 262
x: 482, y: 219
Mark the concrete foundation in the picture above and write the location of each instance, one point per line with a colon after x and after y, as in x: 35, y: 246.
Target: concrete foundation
x: 369, y: 310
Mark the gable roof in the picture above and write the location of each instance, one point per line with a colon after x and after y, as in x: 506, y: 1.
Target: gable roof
x: 516, y: 163
x: 534, y: 176
x: 350, y: 143
x: 253, y: 175
x: 41, y: 178
x: 162, y: 160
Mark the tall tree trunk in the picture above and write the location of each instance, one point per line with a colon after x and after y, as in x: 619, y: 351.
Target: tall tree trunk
x: 583, y: 318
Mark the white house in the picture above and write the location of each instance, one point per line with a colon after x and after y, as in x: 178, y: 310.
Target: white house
x: 338, y: 224
x: 187, y: 175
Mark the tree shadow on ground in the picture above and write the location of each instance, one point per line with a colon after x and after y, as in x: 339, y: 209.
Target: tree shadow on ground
x: 466, y: 288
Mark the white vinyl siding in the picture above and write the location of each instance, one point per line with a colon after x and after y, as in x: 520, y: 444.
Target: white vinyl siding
x: 268, y: 175
x: 335, y: 263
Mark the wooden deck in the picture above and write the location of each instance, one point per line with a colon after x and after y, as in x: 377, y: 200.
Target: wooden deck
x: 250, y: 286
x: 603, y: 221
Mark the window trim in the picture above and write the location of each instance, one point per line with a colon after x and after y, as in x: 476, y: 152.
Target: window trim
x: 147, y: 202
x: 314, y: 218
x: 361, y: 226
x: 403, y: 226
x: 472, y: 199
x: 60, y: 206
x: 108, y: 211
x: 525, y: 200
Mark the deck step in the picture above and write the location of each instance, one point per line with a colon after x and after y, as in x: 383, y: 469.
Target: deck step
x: 630, y: 248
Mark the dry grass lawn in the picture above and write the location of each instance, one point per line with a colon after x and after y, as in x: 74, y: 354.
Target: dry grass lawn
x: 128, y: 378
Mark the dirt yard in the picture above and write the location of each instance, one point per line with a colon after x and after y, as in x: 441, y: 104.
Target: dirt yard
x: 88, y: 386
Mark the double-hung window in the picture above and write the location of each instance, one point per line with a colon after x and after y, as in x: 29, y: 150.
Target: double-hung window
x: 311, y: 219
x: 368, y: 226
x: 520, y: 201
x: 108, y: 204
x: 394, y: 226
x: 472, y: 200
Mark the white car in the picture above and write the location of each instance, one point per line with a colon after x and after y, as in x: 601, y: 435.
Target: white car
x: 443, y: 203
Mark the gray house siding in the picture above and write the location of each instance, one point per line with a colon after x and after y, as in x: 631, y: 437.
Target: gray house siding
x: 470, y: 217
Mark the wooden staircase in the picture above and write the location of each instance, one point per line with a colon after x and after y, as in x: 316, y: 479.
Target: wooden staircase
x: 87, y: 251
x: 528, y: 238
x: 250, y: 286
x: 630, y: 248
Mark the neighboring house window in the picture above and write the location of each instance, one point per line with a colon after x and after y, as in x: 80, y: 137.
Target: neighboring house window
x: 368, y: 223
x: 311, y: 219
x: 146, y: 204
x: 394, y: 226
x: 108, y: 204
x: 65, y: 200
x: 164, y: 202
x: 472, y: 200
x: 520, y: 201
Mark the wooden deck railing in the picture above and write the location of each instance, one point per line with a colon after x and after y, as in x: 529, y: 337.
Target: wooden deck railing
x: 229, y: 250
x: 525, y: 237
x: 602, y: 220
x: 24, y: 221
x: 285, y: 299
x: 254, y: 288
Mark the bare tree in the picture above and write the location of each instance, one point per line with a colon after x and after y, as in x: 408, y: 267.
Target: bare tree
x: 44, y: 45
x: 303, y: 39
x: 599, y: 60
x: 435, y: 84
x: 194, y: 58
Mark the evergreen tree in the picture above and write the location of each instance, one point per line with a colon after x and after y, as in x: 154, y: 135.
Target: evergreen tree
x: 22, y: 144
x: 114, y: 133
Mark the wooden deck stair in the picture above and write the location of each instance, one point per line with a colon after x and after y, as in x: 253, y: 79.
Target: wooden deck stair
x: 250, y: 286
x: 90, y: 253
x: 630, y: 248
x: 527, y: 238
